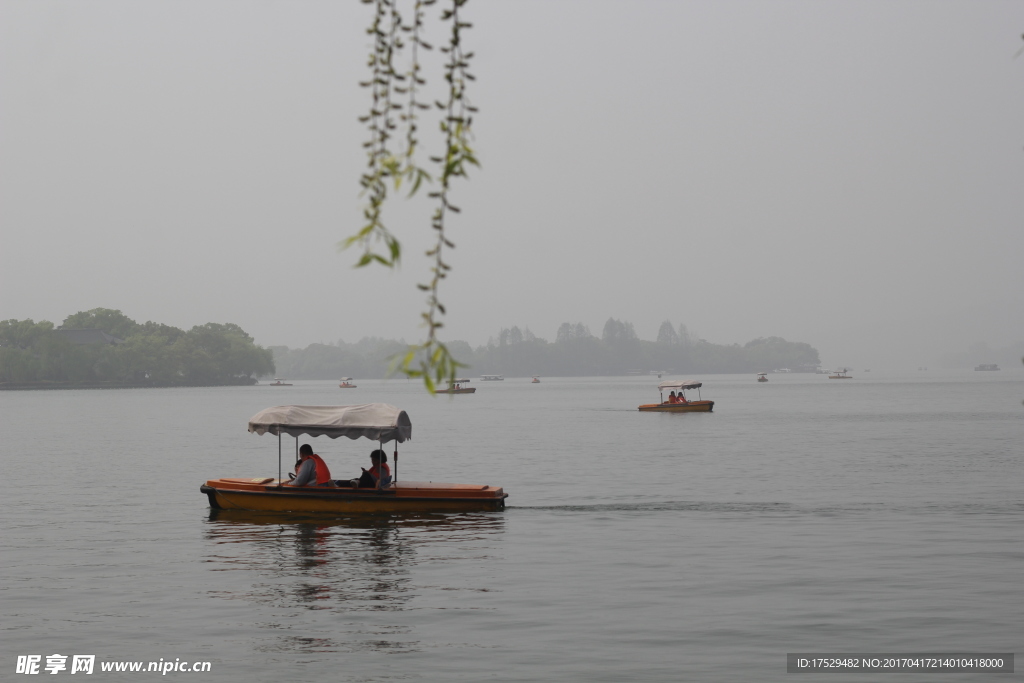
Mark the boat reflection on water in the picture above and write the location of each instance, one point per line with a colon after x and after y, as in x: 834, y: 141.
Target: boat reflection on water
x: 352, y: 565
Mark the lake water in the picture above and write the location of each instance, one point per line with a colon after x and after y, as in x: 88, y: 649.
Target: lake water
x: 879, y: 514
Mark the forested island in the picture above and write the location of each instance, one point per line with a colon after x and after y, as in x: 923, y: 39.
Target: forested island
x: 575, y: 352
x: 105, y: 348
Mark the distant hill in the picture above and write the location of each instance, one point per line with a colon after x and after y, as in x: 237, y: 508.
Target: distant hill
x: 575, y: 353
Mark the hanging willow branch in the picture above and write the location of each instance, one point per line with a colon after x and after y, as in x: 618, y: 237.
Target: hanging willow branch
x: 410, y: 171
x: 431, y: 359
x: 382, y: 163
x: 435, y: 361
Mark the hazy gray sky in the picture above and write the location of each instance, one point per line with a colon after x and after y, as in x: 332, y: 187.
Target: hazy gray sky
x: 847, y: 174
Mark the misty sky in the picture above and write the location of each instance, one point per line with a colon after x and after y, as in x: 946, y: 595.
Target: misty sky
x: 848, y: 174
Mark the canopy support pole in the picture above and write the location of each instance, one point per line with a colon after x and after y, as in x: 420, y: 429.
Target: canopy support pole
x: 395, y: 478
x: 380, y: 465
x: 279, y: 457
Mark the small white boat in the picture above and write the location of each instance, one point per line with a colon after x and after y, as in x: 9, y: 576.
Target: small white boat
x: 346, y: 383
x: 279, y: 382
x: 535, y: 380
x: 491, y: 378
x: 762, y: 377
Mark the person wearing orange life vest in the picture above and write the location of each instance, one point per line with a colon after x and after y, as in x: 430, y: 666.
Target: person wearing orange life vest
x: 312, y: 471
x: 671, y: 397
x: 372, y: 476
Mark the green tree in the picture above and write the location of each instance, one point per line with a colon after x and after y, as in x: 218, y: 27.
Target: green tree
x: 23, y: 334
x: 666, y: 334
x: 108, y: 320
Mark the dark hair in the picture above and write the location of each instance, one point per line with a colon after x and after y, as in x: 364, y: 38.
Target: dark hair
x: 305, y: 449
x: 379, y: 455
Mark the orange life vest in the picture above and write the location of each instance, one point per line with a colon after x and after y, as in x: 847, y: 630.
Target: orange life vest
x: 376, y: 472
x: 323, y: 475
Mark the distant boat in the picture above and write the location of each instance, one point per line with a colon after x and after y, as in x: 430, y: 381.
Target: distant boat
x: 675, y: 405
x: 492, y: 378
x: 782, y: 370
x: 457, y: 388
x: 279, y: 382
x: 762, y: 377
x: 986, y: 366
x: 344, y: 383
x: 840, y: 374
x: 535, y: 380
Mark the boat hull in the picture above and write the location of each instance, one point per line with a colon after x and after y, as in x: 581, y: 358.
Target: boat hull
x: 467, y: 390
x: 691, y: 407
x: 266, y: 496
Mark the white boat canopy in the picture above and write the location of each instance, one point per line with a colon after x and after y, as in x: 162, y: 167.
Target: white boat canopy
x: 685, y: 384
x: 459, y: 381
x: 376, y: 421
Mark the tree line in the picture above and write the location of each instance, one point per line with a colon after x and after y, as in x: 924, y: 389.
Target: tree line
x: 576, y: 352
x: 140, y: 354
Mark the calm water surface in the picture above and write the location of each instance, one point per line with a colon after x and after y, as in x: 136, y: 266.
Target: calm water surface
x: 884, y: 513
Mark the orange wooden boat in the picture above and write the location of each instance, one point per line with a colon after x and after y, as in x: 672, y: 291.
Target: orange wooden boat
x: 698, y: 406
x: 376, y: 421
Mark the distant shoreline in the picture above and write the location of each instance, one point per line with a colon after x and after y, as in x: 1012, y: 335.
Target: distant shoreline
x: 47, y: 386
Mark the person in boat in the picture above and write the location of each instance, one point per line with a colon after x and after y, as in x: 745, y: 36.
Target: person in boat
x: 369, y: 478
x: 311, y: 470
x: 681, y: 398
x: 672, y: 397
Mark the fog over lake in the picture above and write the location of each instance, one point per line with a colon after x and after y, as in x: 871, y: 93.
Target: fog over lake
x: 845, y: 174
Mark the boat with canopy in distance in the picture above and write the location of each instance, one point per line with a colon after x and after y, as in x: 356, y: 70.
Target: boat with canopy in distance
x: 680, y: 406
x: 279, y: 382
x: 762, y: 377
x: 840, y: 374
x: 346, y: 383
x: 455, y: 387
x: 378, y: 422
